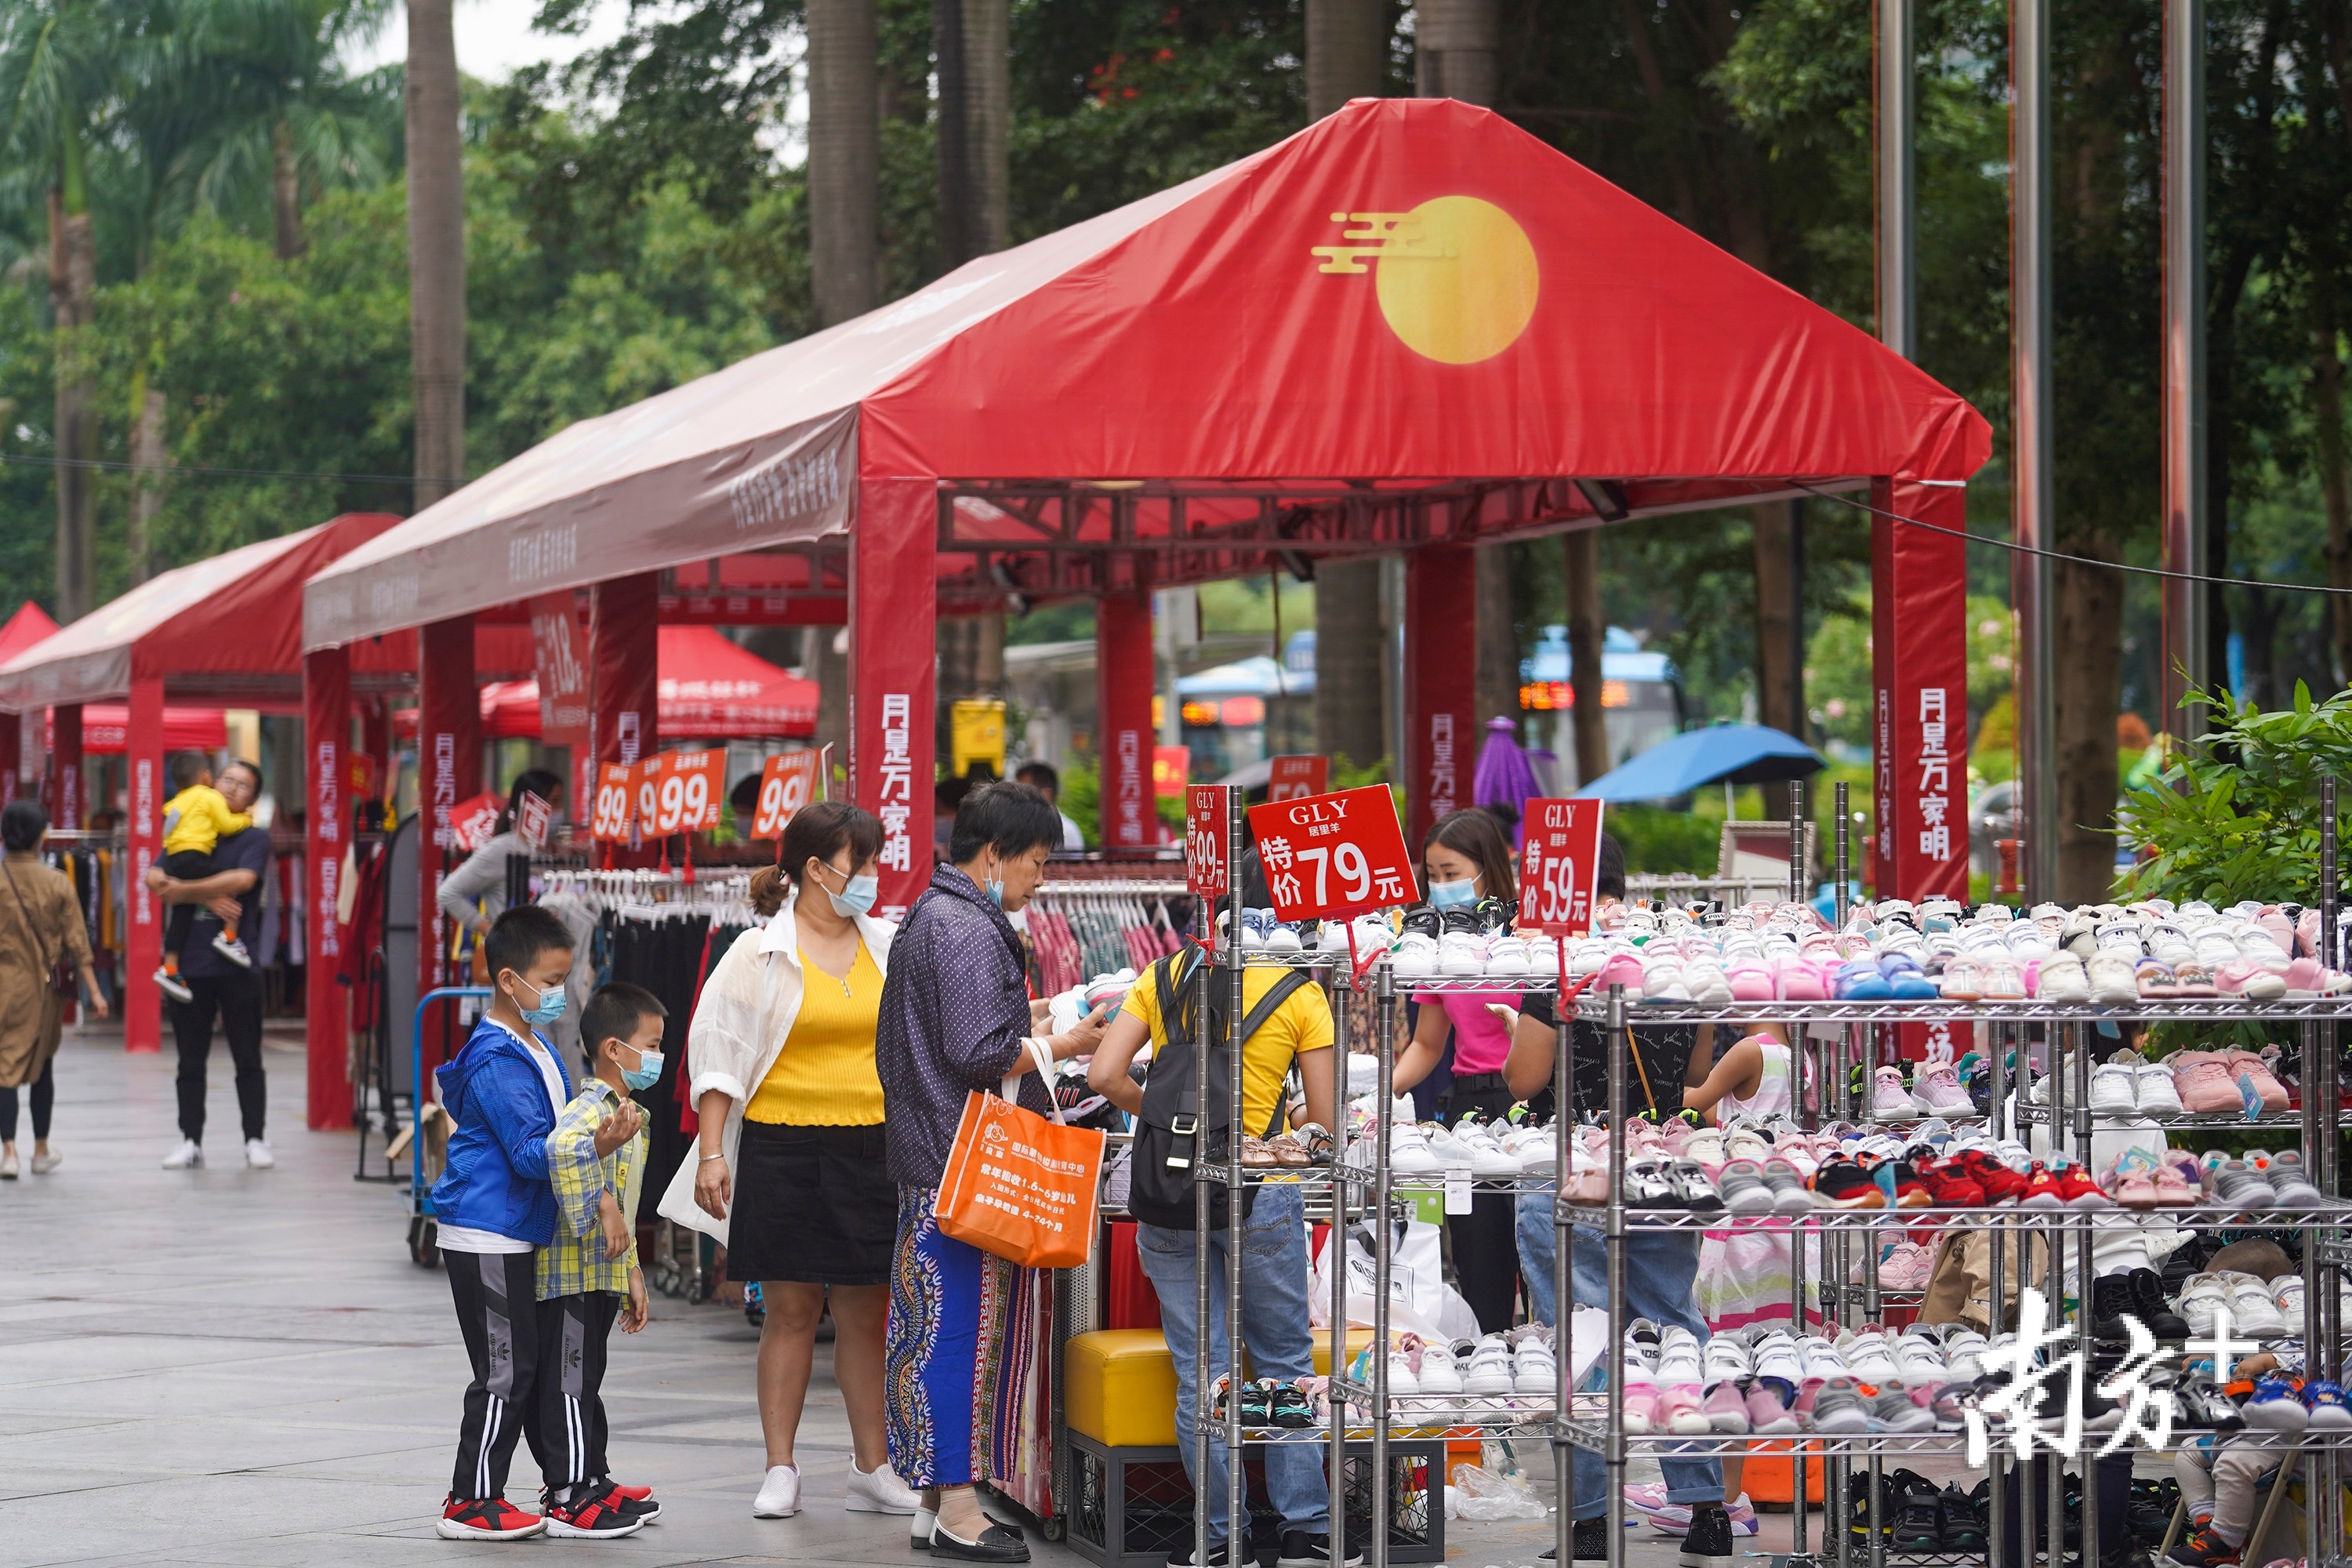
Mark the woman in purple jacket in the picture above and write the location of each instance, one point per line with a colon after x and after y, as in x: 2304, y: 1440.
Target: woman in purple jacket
x: 956, y: 1017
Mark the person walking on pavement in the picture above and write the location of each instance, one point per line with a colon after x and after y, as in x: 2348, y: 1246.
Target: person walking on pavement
x: 220, y: 989
x: 40, y: 923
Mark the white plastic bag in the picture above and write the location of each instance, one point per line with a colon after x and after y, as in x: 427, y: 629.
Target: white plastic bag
x: 1477, y: 1493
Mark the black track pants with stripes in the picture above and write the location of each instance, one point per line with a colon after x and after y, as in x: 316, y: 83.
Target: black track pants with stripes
x: 568, y: 1439
x: 499, y: 1315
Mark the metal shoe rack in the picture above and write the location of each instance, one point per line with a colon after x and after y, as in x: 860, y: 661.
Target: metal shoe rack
x: 1595, y: 1422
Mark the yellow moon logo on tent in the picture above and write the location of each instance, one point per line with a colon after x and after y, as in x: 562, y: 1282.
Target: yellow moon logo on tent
x: 1456, y: 279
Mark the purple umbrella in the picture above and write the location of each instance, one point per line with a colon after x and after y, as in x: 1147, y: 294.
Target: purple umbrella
x: 1504, y: 780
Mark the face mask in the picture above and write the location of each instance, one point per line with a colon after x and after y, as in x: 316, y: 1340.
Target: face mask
x: 996, y: 890
x: 1447, y: 895
x: 857, y: 898
x: 550, y: 1006
x: 646, y: 1073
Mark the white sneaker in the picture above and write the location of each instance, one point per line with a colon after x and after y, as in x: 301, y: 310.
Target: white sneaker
x: 228, y: 947
x: 1461, y: 952
x: 186, y: 1157
x: 1404, y: 1382
x: 174, y: 988
x: 2115, y: 1088
x: 1493, y: 1370
x: 8, y: 1167
x: 878, y: 1490
x: 2158, y: 1094
x: 780, y: 1494
x: 1490, y: 1161
x: 1441, y: 1382
x: 257, y: 1156
x: 1409, y: 1155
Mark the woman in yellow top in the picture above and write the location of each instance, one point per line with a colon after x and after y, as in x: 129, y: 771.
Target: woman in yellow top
x: 782, y: 1058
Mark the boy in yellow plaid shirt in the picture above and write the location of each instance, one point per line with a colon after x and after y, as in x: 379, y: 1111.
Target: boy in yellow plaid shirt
x: 589, y: 1274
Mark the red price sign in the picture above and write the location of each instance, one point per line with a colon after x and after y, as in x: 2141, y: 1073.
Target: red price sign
x: 1205, y: 871
x: 615, y: 789
x: 473, y: 822
x: 787, y: 783
x: 680, y: 792
x: 1334, y: 855
x: 1558, y: 864
x: 1294, y: 778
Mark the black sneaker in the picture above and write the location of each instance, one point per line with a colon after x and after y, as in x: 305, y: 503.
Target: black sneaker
x: 1300, y: 1550
x: 1588, y: 1541
x: 1287, y: 1406
x: 2111, y: 1303
x: 1708, y: 1543
x: 1961, y: 1526
x: 1919, y: 1521
x: 1221, y: 1555
x: 2147, y: 1291
x: 1427, y: 922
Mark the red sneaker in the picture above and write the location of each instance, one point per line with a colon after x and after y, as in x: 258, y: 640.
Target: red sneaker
x: 486, y: 1519
x: 2078, y: 1191
x: 2042, y: 1190
x: 640, y: 1500
x: 1950, y: 1184
x: 1910, y: 1191
x: 633, y: 1494
x: 2003, y: 1185
x: 596, y: 1514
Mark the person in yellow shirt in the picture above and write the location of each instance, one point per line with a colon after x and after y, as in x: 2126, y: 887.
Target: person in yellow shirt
x: 195, y: 820
x: 1274, y: 1242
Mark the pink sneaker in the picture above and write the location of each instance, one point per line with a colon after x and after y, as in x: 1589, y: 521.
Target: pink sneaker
x: 1622, y: 968
x: 2206, y: 1083
x: 1726, y: 1410
x: 1800, y: 981
x: 1767, y: 1411
x: 1681, y: 1412
x: 2273, y: 1093
x: 1642, y: 1408
x: 1750, y: 982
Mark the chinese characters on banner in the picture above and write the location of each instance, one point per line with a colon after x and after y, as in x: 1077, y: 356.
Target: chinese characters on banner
x: 1205, y: 871
x: 563, y: 697
x: 1334, y: 855
x: 1131, y: 803
x: 532, y: 817
x: 787, y: 783
x: 615, y: 789
x: 1444, y: 783
x: 1294, y: 778
x: 680, y: 792
x: 895, y: 797
x: 327, y: 805
x: 473, y: 822
x: 1559, y: 865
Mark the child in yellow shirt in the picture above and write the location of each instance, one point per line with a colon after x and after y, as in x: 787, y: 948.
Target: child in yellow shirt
x: 195, y: 820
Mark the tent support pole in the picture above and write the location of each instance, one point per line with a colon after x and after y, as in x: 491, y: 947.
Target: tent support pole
x: 326, y: 755
x: 1123, y: 719
x: 143, y: 940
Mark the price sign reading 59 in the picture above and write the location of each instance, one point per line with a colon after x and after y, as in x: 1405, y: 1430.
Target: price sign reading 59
x: 1558, y: 864
x: 1330, y: 856
x: 615, y: 785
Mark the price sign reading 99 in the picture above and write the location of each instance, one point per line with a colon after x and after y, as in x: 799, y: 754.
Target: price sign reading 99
x: 1330, y: 856
x: 1558, y: 864
x: 609, y: 824
x: 787, y: 783
x: 680, y: 792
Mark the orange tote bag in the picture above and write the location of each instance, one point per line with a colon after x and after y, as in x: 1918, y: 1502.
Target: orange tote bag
x: 1020, y: 1186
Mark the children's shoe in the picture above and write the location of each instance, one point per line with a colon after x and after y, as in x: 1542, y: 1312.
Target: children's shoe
x: 486, y: 1519
x: 596, y: 1513
x: 2203, y: 1550
x: 2078, y: 1191
x: 640, y: 1499
x: 172, y: 986
x: 2276, y: 1406
x: 2327, y: 1409
x: 228, y: 947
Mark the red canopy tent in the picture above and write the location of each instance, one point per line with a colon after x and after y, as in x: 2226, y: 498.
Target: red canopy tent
x: 224, y: 631
x: 709, y: 688
x: 1410, y: 328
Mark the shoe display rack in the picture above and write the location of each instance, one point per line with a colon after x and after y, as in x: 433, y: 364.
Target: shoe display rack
x: 1360, y: 1422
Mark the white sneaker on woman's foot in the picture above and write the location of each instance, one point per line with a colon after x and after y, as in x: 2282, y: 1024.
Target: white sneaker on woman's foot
x: 188, y: 1156
x: 258, y: 1155
x: 43, y: 1164
x: 878, y: 1490
x: 780, y: 1494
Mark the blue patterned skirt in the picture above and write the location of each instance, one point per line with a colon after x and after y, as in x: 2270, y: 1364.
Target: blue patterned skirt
x: 956, y: 1315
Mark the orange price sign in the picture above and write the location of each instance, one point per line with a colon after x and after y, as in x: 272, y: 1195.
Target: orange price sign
x: 680, y: 792
x: 1558, y: 864
x: 1329, y: 855
x: 615, y: 789
x: 787, y: 783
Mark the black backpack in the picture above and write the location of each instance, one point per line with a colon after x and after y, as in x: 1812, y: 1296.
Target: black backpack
x: 1174, y: 1135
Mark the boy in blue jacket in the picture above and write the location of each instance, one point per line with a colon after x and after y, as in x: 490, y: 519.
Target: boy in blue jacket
x: 494, y: 1207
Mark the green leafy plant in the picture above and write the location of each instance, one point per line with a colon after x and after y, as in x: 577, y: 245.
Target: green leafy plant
x: 2235, y: 814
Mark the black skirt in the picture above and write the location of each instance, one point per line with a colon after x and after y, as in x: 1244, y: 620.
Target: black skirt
x: 813, y: 1204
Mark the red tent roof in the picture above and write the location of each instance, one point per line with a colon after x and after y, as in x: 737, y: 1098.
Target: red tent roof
x: 28, y: 625
x: 1410, y: 301
x: 710, y: 689
x: 106, y: 728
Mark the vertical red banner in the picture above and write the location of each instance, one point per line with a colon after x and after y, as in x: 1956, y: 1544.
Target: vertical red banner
x: 326, y: 742
x: 65, y: 794
x: 12, y: 748
x: 1123, y: 682
x: 624, y: 644
x: 1920, y: 679
x: 1441, y: 689
x: 566, y: 692
x: 893, y: 675
x: 142, y: 938
x: 448, y: 770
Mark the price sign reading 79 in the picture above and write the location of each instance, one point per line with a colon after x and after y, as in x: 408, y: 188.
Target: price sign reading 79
x: 1331, y: 856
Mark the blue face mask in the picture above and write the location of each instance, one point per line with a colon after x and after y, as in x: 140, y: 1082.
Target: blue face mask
x: 857, y: 898
x: 1449, y: 895
x: 996, y: 890
x: 646, y: 1073
x: 552, y: 1003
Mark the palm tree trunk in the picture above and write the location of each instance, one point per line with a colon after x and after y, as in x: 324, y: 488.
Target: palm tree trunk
x: 826, y: 660
x: 843, y: 159
x: 2089, y: 637
x: 73, y: 295
x: 148, y: 457
x: 1587, y: 625
x: 2335, y: 477
x: 436, y: 252
x: 1495, y: 675
x: 286, y: 193
x: 1347, y: 56
x: 1453, y: 51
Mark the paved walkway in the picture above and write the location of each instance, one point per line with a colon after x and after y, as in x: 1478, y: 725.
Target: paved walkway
x: 233, y: 1366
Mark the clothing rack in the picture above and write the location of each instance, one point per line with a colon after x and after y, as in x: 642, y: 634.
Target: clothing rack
x: 1082, y: 927
x: 647, y: 895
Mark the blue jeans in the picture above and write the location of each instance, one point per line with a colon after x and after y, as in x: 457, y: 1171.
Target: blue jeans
x: 1661, y: 1268
x: 1274, y: 1329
